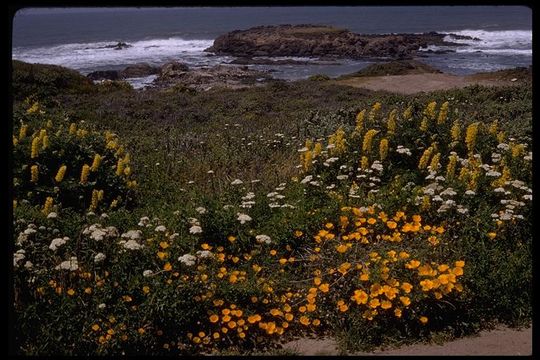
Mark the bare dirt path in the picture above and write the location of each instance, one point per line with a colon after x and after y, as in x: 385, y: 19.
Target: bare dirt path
x: 500, y: 341
x: 414, y: 83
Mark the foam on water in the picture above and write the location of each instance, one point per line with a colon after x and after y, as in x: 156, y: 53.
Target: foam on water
x: 508, y: 42
x: 88, y: 56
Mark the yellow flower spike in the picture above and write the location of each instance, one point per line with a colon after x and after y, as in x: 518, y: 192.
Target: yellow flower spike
x: 22, y: 131
x: 45, y: 142
x: 383, y: 149
x: 430, y: 110
x: 368, y: 138
x: 119, y: 167
x: 470, y: 136
x: 443, y: 113
x: 424, y: 124
x: 84, y: 174
x: 72, y: 129
x: 375, y: 109
x: 35, y: 148
x: 34, y: 173
x: 96, y: 162
x: 48, y: 206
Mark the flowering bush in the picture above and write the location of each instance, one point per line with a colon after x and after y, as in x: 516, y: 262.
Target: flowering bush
x: 392, y: 225
x: 68, y: 166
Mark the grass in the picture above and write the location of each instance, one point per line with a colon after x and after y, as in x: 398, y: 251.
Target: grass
x: 400, y: 67
x: 175, y: 138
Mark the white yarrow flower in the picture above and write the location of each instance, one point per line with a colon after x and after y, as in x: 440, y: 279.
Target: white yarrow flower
x: 237, y: 182
x: 187, y: 259
x: 201, y: 210
x: 99, y: 257
x: 243, y: 218
x: 263, y: 239
x: 195, y: 229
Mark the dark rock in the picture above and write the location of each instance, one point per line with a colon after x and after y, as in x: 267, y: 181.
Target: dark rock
x: 138, y: 70
x: 205, y: 77
x: 104, y: 75
x: 314, y: 40
x: 173, y: 69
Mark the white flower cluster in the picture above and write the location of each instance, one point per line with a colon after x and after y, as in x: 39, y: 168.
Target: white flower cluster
x: 237, y: 182
x: 27, y: 233
x: 243, y: 218
x: 56, y: 243
x: 98, y: 233
x: 132, y: 235
x: 247, y: 203
x: 99, y: 257
x: 18, y: 256
x: 71, y: 264
x: 201, y: 210
x: 187, y: 259
x: 330, y: 161
x: 262, y: 238
x: 403, y: 150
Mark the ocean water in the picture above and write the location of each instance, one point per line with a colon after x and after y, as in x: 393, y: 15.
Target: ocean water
x: 77, y: 37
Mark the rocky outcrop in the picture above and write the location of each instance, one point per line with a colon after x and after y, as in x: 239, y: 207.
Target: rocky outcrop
x: 138, y: 70
x: 205, y: 78
x: 173, y: 69
x: 131, y: 71
x: 317, y: 41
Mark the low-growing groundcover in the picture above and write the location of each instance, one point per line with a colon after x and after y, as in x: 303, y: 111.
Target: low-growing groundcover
x: 408, y: 219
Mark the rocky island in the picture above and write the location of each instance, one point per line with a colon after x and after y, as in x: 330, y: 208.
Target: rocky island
x: 317, y: 41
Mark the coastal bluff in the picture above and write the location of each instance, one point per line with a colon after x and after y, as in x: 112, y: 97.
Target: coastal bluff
x: 321, y: 41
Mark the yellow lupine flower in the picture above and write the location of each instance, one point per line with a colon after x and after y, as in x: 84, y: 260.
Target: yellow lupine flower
x: 424, y: 124
x: 34, y: 173
x: 96, y: 162
x: 383, y: 149
x: 35, y: 148
x: 407, y: 114
x: 493, y: 128
x: 443, y: 113
x: 374, y: 111
x: 45, y: 142
x: 391, y: 124
x: 470, y: 135
x: 22, y: 131
x: 120, y: 167
x: 317, y: 149
x: 424, y: 159
x: 94, y: 201
x: 451, y: 167
x: 48, y: 205
x: 360, y: 121
x: 430, y: 110
x: 364, y: 163
x: 434, y: 165
x: 368, y: 138
x: 84, y: 173
x: 72, y: 129
x: 455, y: 131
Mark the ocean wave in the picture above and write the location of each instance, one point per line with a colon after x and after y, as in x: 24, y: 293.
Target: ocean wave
x: 86, y: 56
x: 511, y: 42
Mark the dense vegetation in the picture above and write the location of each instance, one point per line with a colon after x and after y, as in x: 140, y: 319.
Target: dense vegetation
x: 188, y: 222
